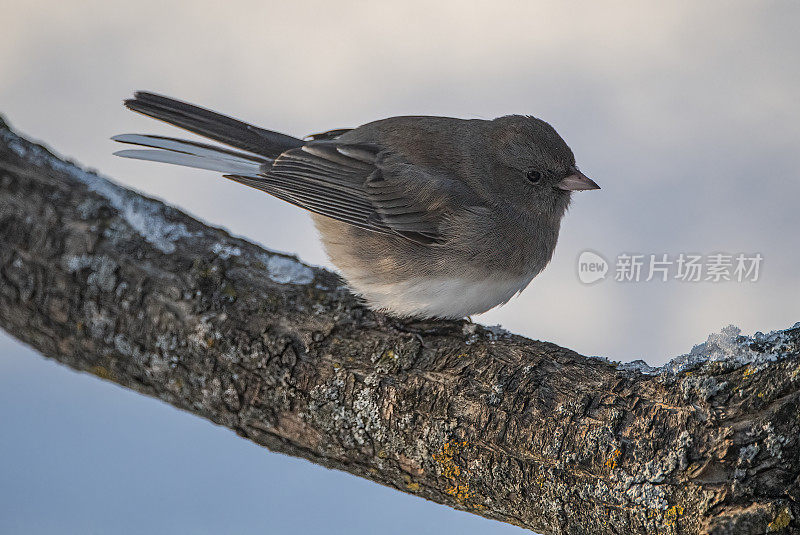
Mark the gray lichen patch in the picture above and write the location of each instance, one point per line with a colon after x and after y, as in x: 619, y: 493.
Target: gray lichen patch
x: 647, y: 495
x: 350, y: 410
x: 705, y: 387
x: 102, y: 268
x: 474, y: 332
x: 225, y: 250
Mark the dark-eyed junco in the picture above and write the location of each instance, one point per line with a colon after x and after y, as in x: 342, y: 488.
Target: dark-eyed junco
x: 424, y: 216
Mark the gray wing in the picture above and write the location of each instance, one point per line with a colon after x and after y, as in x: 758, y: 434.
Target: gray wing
x: 330, y: 134
x: 361, y: 185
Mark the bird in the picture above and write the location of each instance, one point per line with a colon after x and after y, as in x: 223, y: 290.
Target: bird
x: 424, y: 216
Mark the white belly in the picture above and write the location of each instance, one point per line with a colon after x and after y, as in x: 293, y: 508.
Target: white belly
x: 440, y: 297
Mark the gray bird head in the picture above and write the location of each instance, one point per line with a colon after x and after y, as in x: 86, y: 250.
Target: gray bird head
x: 532, y: 169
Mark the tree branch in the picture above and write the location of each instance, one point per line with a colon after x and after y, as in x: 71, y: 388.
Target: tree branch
x: 115, y: 284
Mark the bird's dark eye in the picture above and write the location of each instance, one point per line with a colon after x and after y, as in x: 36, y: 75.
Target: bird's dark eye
x: 533, y: 176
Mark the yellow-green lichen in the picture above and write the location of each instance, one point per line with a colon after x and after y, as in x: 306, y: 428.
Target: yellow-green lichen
x: 611, y: 462
x: 795, y: 373
x: 387, y: 360
x: 101, y: 372
x: 672, y: 514
x: 229, y: 291
x: 781, y: 521
x: 460, y: 492
x: 445, y: 459
x: 411, y: 485
x: 459, y: 479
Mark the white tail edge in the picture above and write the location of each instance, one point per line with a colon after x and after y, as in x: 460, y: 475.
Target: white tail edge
x: 190, y: 154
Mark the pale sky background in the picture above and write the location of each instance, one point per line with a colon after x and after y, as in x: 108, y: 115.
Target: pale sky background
x: 686, y: 113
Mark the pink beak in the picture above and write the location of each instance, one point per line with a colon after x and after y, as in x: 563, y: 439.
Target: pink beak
x: 577, y: 181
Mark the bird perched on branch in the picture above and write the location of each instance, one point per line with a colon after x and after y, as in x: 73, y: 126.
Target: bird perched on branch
x: 424, y: 216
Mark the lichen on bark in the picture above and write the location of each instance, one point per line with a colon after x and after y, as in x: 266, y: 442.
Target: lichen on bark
x: 114, y: 284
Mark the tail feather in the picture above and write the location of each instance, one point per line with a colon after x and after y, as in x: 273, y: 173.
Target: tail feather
x: 191, y: 154
x: 190, y: 160
x: 213, y: 125
x: 187, y: 146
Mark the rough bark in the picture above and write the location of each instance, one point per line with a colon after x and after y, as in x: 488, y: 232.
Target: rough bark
x: 135, y: 292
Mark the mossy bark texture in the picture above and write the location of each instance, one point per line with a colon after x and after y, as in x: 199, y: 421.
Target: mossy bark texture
x: 111, y: 283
